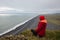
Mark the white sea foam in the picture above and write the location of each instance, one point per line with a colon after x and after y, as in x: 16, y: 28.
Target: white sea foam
x: 16, y: 26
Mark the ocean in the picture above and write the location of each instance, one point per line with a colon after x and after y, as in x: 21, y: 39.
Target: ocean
x: 8, y: 21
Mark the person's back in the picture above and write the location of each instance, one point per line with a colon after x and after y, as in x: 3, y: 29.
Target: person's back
x: 41, y: 28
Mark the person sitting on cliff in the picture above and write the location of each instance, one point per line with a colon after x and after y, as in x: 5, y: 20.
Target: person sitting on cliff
x: 41, y: 28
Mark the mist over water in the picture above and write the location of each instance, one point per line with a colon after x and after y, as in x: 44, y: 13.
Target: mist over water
x: 8, y: 21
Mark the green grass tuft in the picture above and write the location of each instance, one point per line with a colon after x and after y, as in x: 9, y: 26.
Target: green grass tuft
x: 27, y: 35
x: 50, y: 35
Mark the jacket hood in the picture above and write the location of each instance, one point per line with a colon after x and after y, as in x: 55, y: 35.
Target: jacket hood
x: 41, y: 17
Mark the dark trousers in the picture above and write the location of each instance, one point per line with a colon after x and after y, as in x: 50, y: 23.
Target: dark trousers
x: 35, y: 33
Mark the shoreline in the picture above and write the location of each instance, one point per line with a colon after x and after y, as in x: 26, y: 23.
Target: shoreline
x: 16, y: 26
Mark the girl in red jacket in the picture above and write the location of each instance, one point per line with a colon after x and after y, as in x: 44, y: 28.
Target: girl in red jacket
x: 41, y: 28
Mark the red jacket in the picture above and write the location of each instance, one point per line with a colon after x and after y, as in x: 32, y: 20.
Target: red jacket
x: 41, y: 28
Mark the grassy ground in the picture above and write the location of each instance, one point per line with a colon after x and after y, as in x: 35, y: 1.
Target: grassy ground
x: 27, y: 35
x: 55, y: 19
x: 50, y: 35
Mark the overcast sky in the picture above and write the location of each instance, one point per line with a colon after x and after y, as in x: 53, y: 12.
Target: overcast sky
x: 31, y: 5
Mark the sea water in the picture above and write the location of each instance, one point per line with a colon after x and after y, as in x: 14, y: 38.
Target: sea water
x: 8, y: 21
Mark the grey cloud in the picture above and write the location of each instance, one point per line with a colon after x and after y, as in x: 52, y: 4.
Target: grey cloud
x: 31, y: 5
